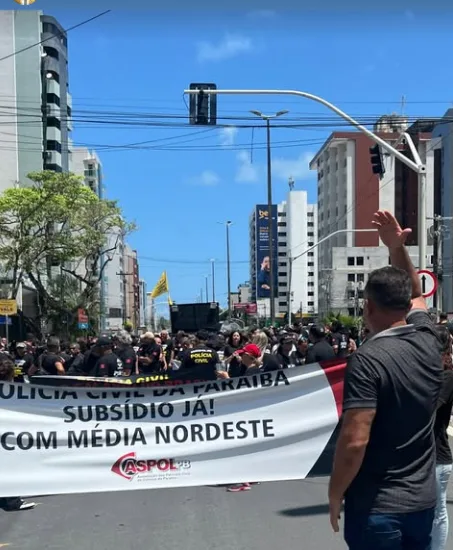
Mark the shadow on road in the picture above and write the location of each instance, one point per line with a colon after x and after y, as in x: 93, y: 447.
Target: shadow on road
x: 316, y: 510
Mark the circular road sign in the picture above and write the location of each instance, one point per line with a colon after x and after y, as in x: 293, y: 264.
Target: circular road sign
x: 428, y: 282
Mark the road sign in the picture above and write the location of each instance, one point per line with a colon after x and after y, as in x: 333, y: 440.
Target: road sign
x: 4, y: 320
x: 83, y: 326
x: 82, y: 316
x: 428, y: 282
x: 8, y: 307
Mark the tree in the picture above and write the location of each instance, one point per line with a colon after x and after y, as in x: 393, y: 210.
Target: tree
x: 58, y: 225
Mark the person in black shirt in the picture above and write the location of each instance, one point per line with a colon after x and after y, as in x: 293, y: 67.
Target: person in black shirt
x: 168, y: 348
x: 234, y: 342
x: 201, y: 362
x: 23, y: 361
x: 299, y: 356
x: 74, y: 367
x: 284, y: 353
x: 149, y: 355
x: 125, y: 352
x: 108, y: 364
x: 384, y: 464
x: 444, y: 458
x: 321, y: 350
x: 50, y: 362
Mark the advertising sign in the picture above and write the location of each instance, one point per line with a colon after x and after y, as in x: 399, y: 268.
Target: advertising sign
x: 8, y: 307
x: 262, y: 243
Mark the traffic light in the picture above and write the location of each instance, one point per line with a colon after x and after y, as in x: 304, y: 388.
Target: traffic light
x: 377, y: 161
x: 203, y: 106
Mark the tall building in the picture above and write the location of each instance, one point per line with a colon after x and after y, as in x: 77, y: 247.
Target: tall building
x: 131, y: 286
x: 87, y: 164
x: 348, y: 195
x: 295, y: 266
x: 34, y: 90
x: 113, y: 299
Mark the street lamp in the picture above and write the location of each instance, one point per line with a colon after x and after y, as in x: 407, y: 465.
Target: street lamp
x: 267, y: 119
x: 213, y: 278
x: 227, y: 225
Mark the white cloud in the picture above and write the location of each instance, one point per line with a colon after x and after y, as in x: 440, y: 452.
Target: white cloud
x: 246, y: 171
x: 207, y: 178
x: 228, y: 135
x: 298, y: 168
x: 230, y: 46
x: 262, y: 14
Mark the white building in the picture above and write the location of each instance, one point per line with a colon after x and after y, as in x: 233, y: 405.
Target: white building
x: 296, y: 264
x: 113, y: 315
x: 348, y: 195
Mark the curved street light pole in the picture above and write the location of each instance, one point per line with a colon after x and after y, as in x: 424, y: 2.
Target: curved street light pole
x: 417, y: 165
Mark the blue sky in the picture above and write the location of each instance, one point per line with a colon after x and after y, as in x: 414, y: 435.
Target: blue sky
x: 140, y: 62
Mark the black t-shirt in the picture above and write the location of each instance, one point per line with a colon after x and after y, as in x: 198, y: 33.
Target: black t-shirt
x: 341, y: 340
x: 47, y: 363
x: 270, y: 363
x: 21, y: 366
x: 201, y: 360
x: 128, y: 357
x: 167, y: 348
x: 152, y: 351
x: 297, y: 358
x: 235, y: 367
x: 108, y: 365
x: 398, y: 372
x: 444, y: 407
x: 320, y: 351
x: 89, y: 362
x: 75, y: 367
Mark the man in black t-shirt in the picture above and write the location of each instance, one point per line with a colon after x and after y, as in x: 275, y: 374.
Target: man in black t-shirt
x: 201, y: 361
x: 108, y: 364
x: 168, y: 348
x: 149, y: 354
x: 125, y: 352
x: 50, y: 362
x: 320, y: 350
x: 384, y: 463
x: 23, y: 361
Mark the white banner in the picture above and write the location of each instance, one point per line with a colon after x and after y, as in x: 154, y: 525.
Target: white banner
x: 266, y: 427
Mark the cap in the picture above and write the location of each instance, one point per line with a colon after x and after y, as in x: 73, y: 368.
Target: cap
x: 103, y: 342
x: 21, y: 345
x: 303, y: 336
x: 318, y: 331
x: 250, y: 349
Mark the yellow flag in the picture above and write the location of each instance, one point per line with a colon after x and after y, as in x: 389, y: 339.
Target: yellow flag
x: 161, y: 287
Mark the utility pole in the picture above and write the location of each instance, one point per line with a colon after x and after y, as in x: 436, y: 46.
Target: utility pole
x: 213, y: 279
x: 207, y: 291
x: 123, y: 275
x: 228, y: 223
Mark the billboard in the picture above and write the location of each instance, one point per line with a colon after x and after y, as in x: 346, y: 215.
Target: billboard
x: 262, y: 244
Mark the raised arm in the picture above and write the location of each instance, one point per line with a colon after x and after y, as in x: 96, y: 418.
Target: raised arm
x: 394, y: 237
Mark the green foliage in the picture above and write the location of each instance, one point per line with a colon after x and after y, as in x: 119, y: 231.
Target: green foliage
x: 58, y: 221
x: 346, y: 320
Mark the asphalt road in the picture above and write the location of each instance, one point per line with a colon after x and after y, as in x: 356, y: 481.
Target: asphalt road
x: 269, y: 517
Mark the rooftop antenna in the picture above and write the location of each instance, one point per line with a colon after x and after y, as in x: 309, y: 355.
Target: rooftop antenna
x: 403, y: 104
x: 291, y: 183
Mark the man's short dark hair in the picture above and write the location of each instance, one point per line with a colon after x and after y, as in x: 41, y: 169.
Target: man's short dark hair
x: 202, y: 336
x: 53, y: 342
x: 390, y: 288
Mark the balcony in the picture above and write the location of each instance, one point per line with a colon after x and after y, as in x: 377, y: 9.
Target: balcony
x: 53, y: 158
x: 53, y: 134
x: 53, y: 87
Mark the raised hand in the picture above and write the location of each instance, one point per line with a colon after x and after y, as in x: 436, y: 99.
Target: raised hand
x: 390, y: 231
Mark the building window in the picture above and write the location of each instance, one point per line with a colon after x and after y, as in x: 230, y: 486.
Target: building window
x: 311, y: 254
x: 282, y: 233
x: 360, y: 277
x: 281, y: 264
x: 53, y: 145
x: 53, y: 98
x: 310, y: 224
x: 311, y: 244
x: 351, y: 312
x: 359, y: 260
x: 311, y: 234
x: 360, y: 294
x: 281, y: 285
x: 310, y: 293
x: 311, y: 264
x: 69, y: 112
x: 53, y: 122
x: 53, y: 167
x: 351, y: 277
x: 282, y: 214
x: 311, y: 304
x: 351, y: 294
x: 351, y: 260
x: 310, y: 283
x: 282, y: 304
x: 282, y: 274
x: 281, y: 244
x: 282, y: 294
x: 51, y: 52
x: 311, y: 274
x: 55, y: 76
x: 282, y: 254
x: 281, y: 224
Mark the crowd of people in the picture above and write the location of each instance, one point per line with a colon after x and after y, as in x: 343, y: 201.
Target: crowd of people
x: 393, y: 460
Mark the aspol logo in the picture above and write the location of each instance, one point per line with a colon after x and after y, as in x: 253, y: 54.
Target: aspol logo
x: 128, y: 466
x: 25, y: 2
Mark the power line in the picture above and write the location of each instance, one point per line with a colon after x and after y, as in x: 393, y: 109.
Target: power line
x: 53, y: 36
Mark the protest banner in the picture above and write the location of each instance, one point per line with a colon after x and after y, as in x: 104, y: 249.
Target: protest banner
x: 266, y: 427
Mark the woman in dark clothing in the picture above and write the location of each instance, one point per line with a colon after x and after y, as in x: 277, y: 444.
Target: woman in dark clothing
x: 444, y: 457
x: 235, y: 342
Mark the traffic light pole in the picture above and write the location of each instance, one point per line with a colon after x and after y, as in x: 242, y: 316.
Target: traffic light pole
x: 416, y: 165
